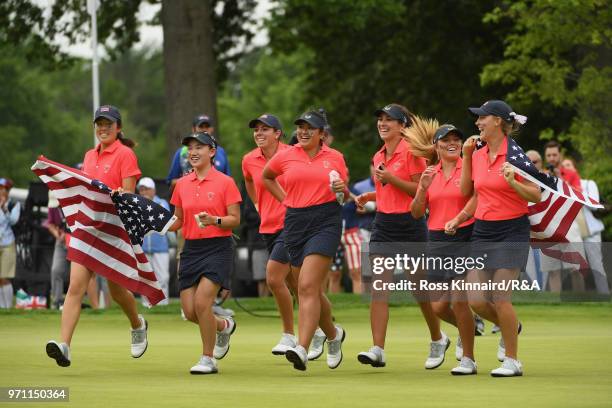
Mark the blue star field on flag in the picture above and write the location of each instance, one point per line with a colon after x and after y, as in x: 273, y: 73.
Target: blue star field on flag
x: 138, y: 214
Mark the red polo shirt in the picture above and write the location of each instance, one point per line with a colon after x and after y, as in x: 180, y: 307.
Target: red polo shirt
x: 271, y: 211
x: 444, y: 198
x: 114, y: 164
x: 307, y: 180
x: 390, y: 199
x: 212, y: 195
x: 496, y: 199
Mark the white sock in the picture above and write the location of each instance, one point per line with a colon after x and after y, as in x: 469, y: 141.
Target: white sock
x: 2, y: 300
x: 442, y: 339
x: 8, y: 295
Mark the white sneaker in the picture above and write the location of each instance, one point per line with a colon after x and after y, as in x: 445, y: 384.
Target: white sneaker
x: 334, y: 348
x: 509, y: 368
x: 206, y: 365
x: 316, y: 345
x: 437, y: 352
x: 60, y: 352
x: 375, y: 357
x: 495, y: 329
x: 501, y: 349
x: 298, y: 356
x: 459, y: 349
x: 222, y: 344
x: 466, y: 366
x: 139, y: 338
x: 479, y: 326
x: 222, y: 312
x: 286, y: 342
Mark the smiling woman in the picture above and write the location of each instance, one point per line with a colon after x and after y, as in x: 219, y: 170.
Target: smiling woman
x: 114, y: 163
x: 207, y: 206
x: 313, y: 226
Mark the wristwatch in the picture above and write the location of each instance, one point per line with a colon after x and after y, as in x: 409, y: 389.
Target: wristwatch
x: 218, y: 220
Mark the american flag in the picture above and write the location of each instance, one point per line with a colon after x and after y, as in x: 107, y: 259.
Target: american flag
x: 553, y: 216
x: 107, y: 232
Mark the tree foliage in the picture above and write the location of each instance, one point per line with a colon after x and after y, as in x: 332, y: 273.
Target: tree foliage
x: 557, y: 58
x: 425, y: 55
x: 37, y: 28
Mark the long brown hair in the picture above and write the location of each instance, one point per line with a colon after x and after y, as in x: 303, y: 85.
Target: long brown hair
x: 420, y: 137
x: 126, y: 142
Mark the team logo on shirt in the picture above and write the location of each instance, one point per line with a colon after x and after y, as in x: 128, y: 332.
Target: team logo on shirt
x: 106, y: 168
x: 326, y: 164
x: 457, y: 182
x: 397, y: 165
x: 211, y: 195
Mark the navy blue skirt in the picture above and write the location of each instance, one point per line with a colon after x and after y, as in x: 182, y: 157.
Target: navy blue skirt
x: 451, y: 249
x: 275, y: 243
x: 398, y: 228
x: 502, y: 244
x: 312, y: 230
x: 211, y: 258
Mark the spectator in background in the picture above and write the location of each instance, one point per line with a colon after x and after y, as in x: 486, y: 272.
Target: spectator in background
x: 365, y: 215
x: 555, y: 267
x: 9, y: 215
x: 592, y: 239
x: 552, y: 153
x: 56, y: 224
x: 180, y: 163
x: 155, y: 245
x: 534, y: 262
x: 535, y: 158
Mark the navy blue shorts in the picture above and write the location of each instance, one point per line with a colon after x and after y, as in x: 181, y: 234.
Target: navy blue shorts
x: 212, y: 258
x: 505, y: 243
x: 275, y: 243
x: 313, y: 230
x: 444, y: 246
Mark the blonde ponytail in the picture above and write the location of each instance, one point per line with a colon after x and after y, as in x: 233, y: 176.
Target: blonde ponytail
x: 420, y: 137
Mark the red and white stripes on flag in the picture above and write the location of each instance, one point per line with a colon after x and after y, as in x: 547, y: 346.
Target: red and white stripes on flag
x: 98, y: 240
x: 553, y: 216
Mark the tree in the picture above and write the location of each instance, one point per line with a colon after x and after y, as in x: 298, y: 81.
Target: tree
x: 202, y: 37
x: 426, y: 55
x: 557, y: 59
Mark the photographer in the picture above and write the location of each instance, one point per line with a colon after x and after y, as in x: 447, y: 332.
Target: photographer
x: 9, y: 215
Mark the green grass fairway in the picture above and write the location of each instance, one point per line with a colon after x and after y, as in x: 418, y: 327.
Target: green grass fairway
x: 566, y: 352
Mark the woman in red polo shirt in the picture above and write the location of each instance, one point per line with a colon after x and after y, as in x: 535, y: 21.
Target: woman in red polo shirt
x: 315, y: 177
x: 267, y: 133
x: 397, y: 175
x: 114, y: 163
x: 450, y: 225
x: 207, y: 206
x: 501, y: 230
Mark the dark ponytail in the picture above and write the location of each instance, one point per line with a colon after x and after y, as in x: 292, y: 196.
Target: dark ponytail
x: 126, y: 142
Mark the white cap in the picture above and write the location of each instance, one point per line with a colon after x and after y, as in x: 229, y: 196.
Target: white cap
x: 146, y: 182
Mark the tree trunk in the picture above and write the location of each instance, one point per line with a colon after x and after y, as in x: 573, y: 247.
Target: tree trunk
x: 189, y: 66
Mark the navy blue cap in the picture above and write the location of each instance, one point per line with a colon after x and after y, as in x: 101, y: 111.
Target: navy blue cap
x: 314, y: 119
x: 200, y: 119
x: 495, y: 108
x: 202, y: 137
x: 395, y: 112
x: 268, y: 120
x: 109, y: 112
x: 444, y: 130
